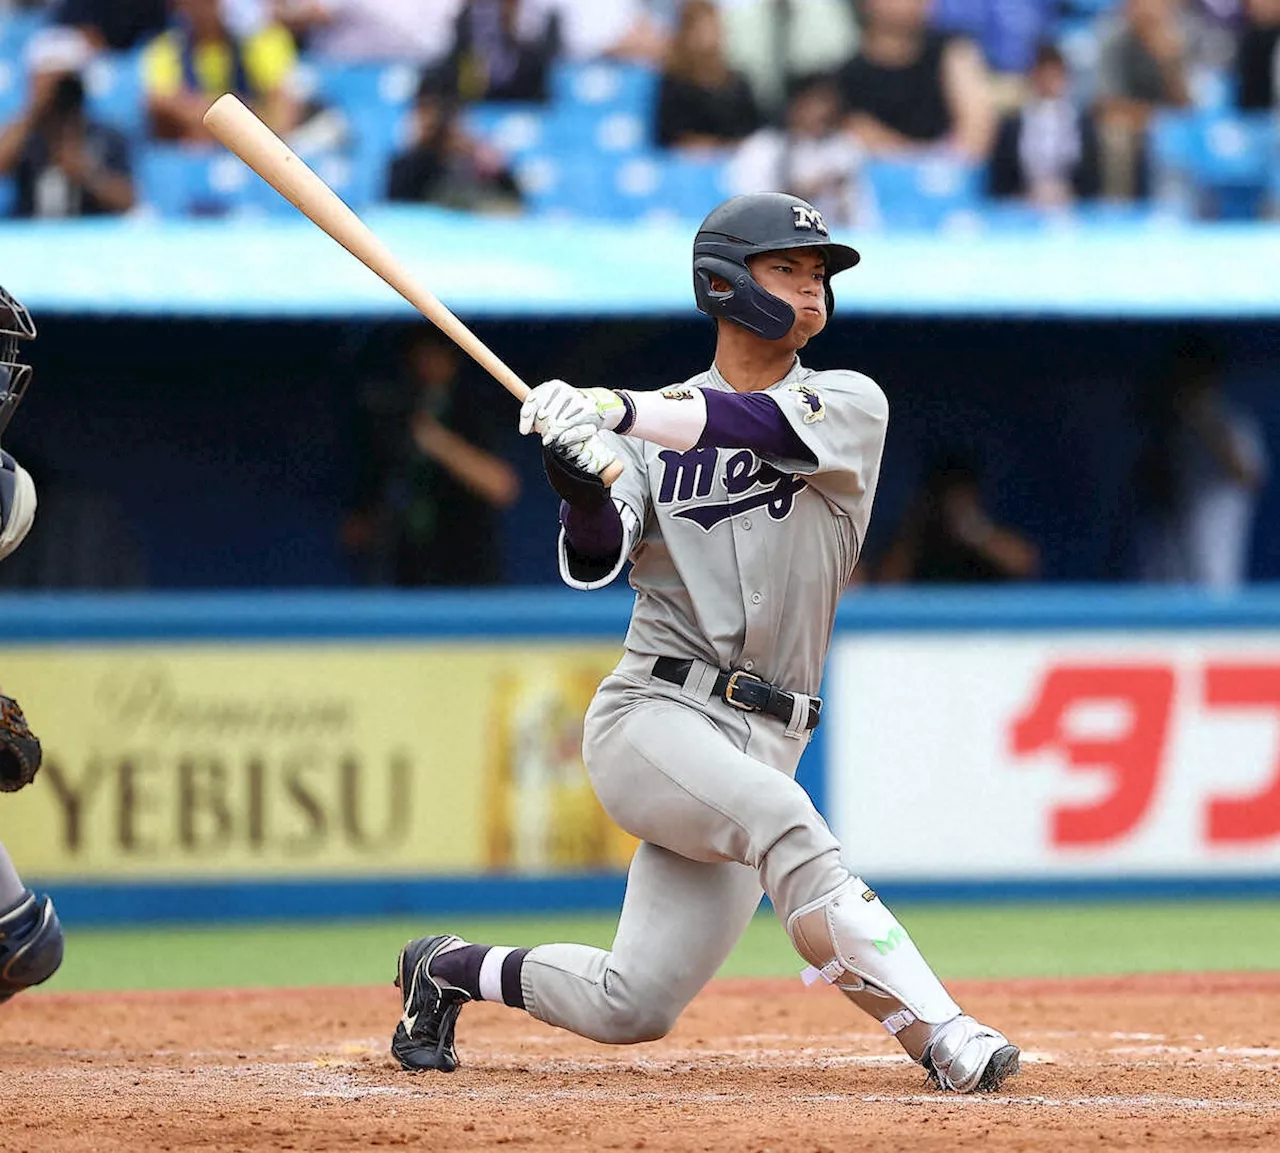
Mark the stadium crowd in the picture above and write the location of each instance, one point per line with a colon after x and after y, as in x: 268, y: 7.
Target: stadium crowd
x: 902, y: 112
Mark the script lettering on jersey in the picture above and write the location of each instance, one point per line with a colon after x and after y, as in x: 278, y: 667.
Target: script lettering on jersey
x: 690, y: 475
x: 687, y: 474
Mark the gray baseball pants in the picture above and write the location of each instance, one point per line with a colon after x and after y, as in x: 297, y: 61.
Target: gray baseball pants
x: 710, y: 791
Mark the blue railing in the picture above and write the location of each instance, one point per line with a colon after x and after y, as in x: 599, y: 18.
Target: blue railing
x: 559, y: 613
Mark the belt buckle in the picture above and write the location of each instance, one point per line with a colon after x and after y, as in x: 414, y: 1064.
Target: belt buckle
x: 734, y: 677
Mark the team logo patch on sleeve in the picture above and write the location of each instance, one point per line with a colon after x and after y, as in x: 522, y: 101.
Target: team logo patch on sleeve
x: 678, y: 394
x: 811, y: 402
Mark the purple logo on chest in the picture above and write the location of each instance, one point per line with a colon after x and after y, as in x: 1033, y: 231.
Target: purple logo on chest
x: 692, y: 474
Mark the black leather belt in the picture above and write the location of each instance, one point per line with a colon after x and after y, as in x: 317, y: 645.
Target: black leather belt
x: 743, y: 690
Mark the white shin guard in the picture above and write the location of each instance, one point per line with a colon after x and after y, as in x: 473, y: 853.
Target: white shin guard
x: 856, y: 944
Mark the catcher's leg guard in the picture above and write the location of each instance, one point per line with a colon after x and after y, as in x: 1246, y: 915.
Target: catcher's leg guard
x: 30, y: 944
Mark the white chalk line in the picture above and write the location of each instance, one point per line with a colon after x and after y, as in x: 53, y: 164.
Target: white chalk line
x: 345, y: 1086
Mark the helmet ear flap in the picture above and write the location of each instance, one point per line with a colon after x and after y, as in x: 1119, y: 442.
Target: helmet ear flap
x: 745, y: 302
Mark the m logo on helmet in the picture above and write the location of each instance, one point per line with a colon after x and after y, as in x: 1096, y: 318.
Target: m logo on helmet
x: 809, y: 218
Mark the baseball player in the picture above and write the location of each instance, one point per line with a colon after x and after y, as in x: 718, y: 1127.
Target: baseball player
x: 30, y: 934
x: 743, y: 507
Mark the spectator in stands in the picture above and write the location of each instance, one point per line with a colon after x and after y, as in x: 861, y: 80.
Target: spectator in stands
x: 114, y: 24
x: 812, y: 157
x: 1202, y: 463
x: 445, y: 165
x: 360, y: 31
x: 188, y: 67
x: 245, y: 17
x: 702, y: 103
x: 1047, y: 151
x: 491, y: 60
x: 1144, y: 65
x: 63, y: 163
x: 1007, y: 33
x: 587, y: 29
x: 429, y: 488
x: 909, y: 89
x: 1258, y: 59
x: 948, y: 537
x: 772, y: 43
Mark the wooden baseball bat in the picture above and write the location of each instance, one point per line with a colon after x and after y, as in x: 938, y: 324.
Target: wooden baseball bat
x: 241, y: 131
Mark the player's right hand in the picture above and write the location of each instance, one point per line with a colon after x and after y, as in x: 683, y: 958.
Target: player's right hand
x: 17, y: 503
x: 563, y: 415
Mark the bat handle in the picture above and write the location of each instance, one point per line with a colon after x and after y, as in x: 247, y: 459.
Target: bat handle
x: 612, y: 473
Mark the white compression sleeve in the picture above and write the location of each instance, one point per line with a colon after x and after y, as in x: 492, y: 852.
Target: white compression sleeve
x: 674, y: 419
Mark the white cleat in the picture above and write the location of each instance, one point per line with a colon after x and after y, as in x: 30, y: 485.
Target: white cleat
x: 965, y: 1056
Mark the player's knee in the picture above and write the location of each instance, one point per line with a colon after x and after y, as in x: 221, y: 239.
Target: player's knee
x: 641, y: 1015
x: 647, y: 1022
x: 30, y: 944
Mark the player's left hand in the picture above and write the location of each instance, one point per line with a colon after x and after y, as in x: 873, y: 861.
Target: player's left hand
x: 576, y: 472
x: 17, y: 503
x: 19, y: 748
x: 563, y: 415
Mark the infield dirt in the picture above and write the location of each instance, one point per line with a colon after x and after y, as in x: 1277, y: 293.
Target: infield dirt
x: 1166, y: 1063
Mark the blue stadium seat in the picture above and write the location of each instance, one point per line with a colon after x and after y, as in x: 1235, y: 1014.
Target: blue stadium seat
x: 176, y: 181
x: 13, y: 88
x: 114, y: 91
x: 363, y: 86
x: 555, y: 185
x: 377, y: 135
x: 605, y: 84
x: 163, y: 177
x: 691, y: 188
x: 1213, y: 162
x: 924, y: 194
x: 1213, y: 89
x: 1171, y: 141
x: 645, y: 185
x: 514, y: 129
x: 16, y: 30
x: 8, y: 195
x: 1234, y: 150
x: 606, y: 129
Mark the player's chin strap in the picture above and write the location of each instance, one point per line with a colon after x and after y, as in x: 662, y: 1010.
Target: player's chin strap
x: 856, y: 944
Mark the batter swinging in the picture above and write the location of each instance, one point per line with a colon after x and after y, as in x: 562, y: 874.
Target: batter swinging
x: 743, y: 506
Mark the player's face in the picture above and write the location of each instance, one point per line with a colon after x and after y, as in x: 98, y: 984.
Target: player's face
x: 798, y: 276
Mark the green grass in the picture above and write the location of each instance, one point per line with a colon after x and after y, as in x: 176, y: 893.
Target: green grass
x: 961, y: 941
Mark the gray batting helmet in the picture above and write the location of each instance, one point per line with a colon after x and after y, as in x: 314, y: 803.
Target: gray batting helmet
x: 15, y: 325
x: 746, y: 226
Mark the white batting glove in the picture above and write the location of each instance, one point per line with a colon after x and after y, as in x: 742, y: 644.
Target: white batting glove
x: 563, y: 415
x: 590, y: 455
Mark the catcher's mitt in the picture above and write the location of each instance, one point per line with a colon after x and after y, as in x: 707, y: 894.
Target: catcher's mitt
x: 19, y: 748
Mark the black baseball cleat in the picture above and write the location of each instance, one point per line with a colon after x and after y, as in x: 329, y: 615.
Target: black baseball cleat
x: 424, y: 1037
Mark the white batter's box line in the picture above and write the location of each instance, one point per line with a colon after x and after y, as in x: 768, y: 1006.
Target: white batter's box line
x: 1193, y: 1051
x: 1144, y: 1102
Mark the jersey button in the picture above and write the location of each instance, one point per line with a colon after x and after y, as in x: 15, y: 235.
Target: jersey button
x: 748, y: 665
x: 747, y: 523
x: 756, y: 598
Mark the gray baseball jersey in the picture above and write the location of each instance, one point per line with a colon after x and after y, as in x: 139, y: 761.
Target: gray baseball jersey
x: 740, y: 560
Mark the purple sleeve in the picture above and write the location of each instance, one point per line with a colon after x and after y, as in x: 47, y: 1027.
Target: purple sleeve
x: 750, y: 420
x: 595, y: 534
